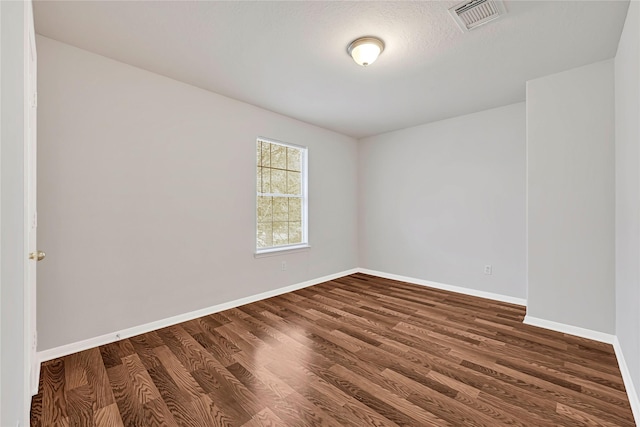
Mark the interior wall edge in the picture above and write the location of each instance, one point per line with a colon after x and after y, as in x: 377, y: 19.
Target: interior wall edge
x: 67, y: 349
x: 632, y: 393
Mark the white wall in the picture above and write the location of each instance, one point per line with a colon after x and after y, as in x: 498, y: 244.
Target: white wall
x: 146, y: 196
x: 14, y: 395
x: 627, y: 106
x: 571, y: 197
x: 440, y: 201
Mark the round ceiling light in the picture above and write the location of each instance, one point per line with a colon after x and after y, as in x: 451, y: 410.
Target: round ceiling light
x: 365, y: 50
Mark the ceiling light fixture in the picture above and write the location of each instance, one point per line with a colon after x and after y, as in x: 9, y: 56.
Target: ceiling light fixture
x: 365, y: 50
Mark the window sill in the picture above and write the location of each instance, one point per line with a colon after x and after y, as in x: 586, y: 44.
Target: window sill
x: 281, y: 251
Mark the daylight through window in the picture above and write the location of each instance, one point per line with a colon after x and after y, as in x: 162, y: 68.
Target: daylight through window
x: 281, y: 195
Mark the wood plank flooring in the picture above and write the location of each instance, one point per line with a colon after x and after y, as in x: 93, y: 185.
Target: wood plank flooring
x: 356, y: 351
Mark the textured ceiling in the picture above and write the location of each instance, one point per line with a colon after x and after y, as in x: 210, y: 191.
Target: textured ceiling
x: 290, y: 57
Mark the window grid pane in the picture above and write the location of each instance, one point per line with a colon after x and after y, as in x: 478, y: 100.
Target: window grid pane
x: 279, y: 195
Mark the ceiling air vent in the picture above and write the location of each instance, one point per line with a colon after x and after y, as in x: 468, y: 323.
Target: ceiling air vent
x: 471, y: 14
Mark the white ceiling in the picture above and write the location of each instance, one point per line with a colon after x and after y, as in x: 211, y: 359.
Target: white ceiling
x: 290, y: 57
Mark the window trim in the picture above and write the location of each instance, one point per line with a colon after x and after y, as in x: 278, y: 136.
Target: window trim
x: 304, y: 169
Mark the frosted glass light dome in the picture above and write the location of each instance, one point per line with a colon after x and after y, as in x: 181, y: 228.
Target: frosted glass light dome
x: 365, y: 50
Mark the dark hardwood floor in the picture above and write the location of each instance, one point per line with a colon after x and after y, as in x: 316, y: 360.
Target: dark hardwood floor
x: 356, y: 351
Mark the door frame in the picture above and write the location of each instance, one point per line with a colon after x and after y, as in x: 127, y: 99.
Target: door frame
x: 16, y: 21
x: 30, y: 186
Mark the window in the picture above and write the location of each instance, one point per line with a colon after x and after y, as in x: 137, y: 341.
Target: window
x: 281, y: 203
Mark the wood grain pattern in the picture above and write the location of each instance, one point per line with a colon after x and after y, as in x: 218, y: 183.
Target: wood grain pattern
x: 355, y: 351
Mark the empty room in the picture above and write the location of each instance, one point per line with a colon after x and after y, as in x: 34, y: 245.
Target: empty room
x: 320, y: 213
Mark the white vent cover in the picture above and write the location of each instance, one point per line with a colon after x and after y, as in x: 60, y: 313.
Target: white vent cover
x: 472, y: 14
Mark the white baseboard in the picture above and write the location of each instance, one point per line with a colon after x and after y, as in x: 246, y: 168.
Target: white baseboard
x: 442, y: 286
x: 35, y: 376
x: 75, y: 347
x: 68, y: 349
x: 569, y: 329
x: 632, y: 393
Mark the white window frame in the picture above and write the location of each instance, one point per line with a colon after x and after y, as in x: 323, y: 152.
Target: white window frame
x: 304, y: 170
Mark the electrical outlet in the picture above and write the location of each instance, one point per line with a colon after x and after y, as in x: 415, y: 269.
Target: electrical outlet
x: 488, y: 269
x: 283, y: 267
